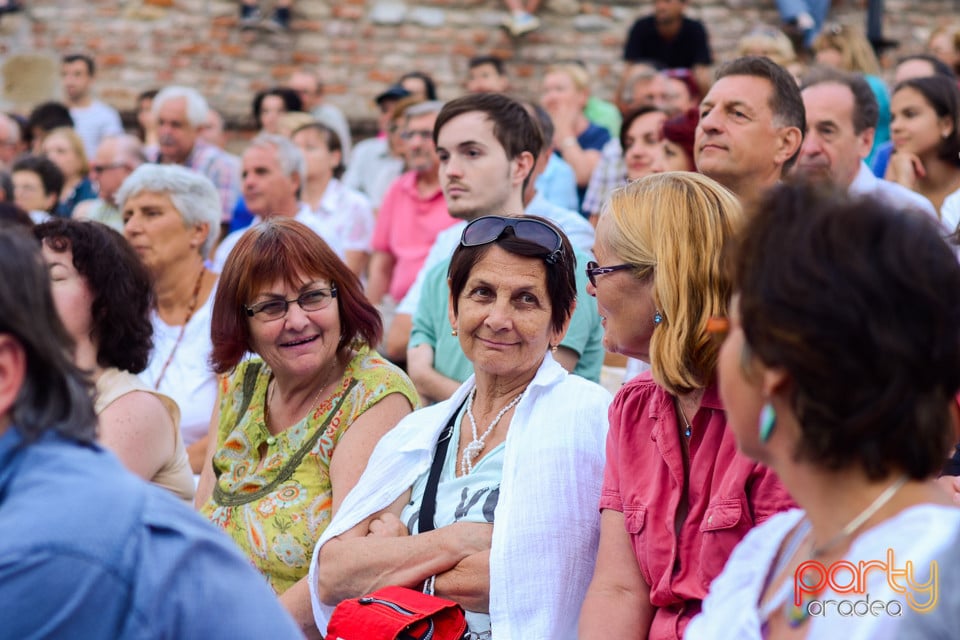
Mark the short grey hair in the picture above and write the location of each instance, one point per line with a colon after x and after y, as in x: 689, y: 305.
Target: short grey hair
x: 196, y: 104
x: 423, y: 108
x: 292, y: 160
x: 192, y: 195
x: 13, y: 129
x: 129, y: 149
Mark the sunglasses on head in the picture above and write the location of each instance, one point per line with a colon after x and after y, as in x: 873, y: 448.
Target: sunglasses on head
x: 491, y: 228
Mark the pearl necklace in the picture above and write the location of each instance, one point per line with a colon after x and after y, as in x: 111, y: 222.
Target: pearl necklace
x: 472, y: 450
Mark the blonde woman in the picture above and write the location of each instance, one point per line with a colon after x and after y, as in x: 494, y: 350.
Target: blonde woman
x: 65, y: 149
x: 764, y: 40
x: 578, y: 141
x: 677, y: 496
x: 846, y: 48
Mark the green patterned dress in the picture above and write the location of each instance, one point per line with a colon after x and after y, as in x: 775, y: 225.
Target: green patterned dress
x: 276, y: 509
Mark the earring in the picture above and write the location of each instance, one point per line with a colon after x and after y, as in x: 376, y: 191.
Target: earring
x: 657, y: 318
x: 768, y: 420
x: 454, y: 332
x: 553, y: 348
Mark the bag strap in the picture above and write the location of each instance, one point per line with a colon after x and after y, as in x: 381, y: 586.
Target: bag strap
x: 428, y: 507
x: 224, y: 499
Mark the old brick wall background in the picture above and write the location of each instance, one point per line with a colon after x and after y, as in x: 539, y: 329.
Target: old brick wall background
x: 359, y: 45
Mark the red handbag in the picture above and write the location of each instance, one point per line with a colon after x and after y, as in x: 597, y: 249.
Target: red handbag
x: 397, y: 613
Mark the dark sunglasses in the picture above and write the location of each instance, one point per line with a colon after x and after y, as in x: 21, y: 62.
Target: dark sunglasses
x: 593, y: 270
x: 491, y: 228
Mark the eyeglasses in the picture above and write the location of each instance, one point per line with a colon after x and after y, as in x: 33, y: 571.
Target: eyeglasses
x: 490, y: 228
x: 593, y: 270
x: 313, y: 300
x: 410, y: 134
x: 100, y: 168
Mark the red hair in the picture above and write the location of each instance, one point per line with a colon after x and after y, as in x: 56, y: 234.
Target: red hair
x: 281, y: 248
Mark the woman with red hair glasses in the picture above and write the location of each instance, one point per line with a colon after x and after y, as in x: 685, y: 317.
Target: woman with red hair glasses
x: 296, y: 422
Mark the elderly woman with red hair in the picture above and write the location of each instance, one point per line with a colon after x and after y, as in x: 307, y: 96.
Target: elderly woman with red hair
x: 297, y: 421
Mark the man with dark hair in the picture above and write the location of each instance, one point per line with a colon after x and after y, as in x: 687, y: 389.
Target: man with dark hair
x: 488, y: 146
x: 107, y: 555
x: 670, y: 40
x: 93, y: 120
x: 751, y: 126
x: 842, y: 114
x: 487, y: 73
x: 920, y: 65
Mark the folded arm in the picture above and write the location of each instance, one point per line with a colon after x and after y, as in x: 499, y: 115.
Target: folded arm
x: 376, y: 554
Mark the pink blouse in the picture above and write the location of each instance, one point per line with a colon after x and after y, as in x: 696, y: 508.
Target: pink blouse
x: 725, y: 496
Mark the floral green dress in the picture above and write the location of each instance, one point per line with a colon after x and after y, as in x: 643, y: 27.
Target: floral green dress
x: 276, y: 509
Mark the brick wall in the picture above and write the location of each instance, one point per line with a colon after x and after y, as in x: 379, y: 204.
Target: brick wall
x: 360, y: 46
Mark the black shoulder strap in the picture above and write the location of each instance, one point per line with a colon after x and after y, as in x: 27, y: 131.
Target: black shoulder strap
x: 428, y: 507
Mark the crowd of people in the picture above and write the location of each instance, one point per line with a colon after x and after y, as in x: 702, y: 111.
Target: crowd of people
x: 376, y: 363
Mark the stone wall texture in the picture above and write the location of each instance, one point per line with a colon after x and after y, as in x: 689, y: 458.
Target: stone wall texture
x: 358, y: 46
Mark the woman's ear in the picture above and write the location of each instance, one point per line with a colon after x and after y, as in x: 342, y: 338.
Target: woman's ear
x: 200, y: 233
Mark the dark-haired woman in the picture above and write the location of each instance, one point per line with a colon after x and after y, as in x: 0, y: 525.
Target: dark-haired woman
x: 926, y: 142
x: 103, y: 296
x: 514, y: 533
x: 269, y: 104
x: 844, y: 386
x: 296, y: 422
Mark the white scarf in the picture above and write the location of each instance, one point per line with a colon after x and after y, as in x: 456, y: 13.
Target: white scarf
x: 547, y: 521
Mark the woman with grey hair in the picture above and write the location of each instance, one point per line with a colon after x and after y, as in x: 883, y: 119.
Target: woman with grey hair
x: 171, y: 216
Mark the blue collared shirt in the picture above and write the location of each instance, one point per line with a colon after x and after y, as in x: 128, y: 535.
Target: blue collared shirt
x: 88, y: 550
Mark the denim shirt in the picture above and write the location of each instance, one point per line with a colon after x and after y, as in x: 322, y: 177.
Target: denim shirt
x: 88, y: 550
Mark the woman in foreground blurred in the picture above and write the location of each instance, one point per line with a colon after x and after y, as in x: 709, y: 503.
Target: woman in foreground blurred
x: 843, y: 384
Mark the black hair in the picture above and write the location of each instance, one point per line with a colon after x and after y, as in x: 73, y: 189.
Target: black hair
x: 55, y: 395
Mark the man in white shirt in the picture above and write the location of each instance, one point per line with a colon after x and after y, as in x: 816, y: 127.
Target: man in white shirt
x: 273, y: 168
x: 842, y: 114
x: 93, y: 120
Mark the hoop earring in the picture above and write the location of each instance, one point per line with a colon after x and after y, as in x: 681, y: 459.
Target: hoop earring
x: 768, y: 420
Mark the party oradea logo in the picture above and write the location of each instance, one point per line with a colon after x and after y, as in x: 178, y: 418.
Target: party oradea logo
x: 813, y: 579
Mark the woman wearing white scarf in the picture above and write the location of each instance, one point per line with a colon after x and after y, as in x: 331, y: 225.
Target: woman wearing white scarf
x: 525, y: 574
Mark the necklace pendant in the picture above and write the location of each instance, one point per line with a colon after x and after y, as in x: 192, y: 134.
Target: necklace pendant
x: 688, y: 431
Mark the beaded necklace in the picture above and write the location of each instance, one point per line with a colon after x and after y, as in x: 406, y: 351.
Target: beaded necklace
x: 183, y: 329
x: 472, y: 450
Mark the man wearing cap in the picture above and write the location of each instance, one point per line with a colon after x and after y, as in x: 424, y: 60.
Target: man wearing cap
x: 375, y: 163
